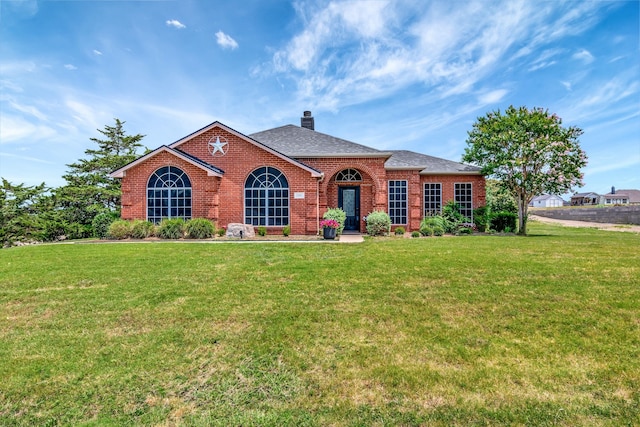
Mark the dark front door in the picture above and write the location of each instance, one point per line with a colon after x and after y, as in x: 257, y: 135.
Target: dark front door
x: 349, y: 201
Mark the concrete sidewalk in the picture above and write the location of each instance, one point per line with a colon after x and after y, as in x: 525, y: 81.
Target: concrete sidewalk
x: 351, y: 238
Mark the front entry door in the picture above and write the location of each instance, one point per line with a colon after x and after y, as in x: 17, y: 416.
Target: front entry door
x: 349, y: 201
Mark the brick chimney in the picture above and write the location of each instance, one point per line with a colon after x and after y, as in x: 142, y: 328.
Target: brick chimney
x: 306, y: 121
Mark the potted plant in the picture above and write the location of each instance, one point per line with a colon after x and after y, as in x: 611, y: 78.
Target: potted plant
x: 329, y: 228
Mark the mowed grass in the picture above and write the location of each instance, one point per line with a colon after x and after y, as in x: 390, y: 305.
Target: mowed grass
x: 473, y: 330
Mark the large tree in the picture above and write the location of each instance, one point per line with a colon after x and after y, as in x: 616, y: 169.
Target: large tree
x: 89, y: 189
x: 529, y: 152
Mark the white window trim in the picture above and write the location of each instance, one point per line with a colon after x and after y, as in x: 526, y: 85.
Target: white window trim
x: 454, y: 196
x: 406, y: 200
x: 424, y: 194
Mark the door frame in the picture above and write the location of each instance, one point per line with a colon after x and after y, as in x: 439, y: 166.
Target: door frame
x: 354, y: 224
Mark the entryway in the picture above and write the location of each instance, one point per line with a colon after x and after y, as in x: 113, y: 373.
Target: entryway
x: 349, y: 202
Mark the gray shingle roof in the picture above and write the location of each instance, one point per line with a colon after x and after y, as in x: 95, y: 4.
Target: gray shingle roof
x: 299, y: 142
x: 404, y: 159
x: 295, y: 141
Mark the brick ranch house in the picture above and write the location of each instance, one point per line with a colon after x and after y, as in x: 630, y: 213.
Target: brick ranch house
x: 291, y: 175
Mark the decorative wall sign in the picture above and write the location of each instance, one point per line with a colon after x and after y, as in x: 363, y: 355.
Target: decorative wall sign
x: 217, y: 146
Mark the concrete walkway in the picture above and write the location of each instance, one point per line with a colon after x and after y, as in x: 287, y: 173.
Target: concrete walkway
x: 351, y: 238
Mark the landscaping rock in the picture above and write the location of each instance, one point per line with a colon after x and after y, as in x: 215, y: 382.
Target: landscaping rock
x: 234, y: 229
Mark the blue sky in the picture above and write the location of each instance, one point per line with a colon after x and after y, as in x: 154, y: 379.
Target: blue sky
x: 396, y: 74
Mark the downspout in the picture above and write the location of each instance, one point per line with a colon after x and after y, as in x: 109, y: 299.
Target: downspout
x: 318, y: 203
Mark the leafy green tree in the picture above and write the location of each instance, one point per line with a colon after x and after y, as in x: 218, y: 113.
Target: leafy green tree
x: 529, y: 152
x: 20, y: 208
x: 89, y: 189
x: 499, y: 199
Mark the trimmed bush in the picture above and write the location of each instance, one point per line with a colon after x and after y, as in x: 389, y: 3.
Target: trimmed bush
x: 101, y: 223
x: 171, y: 229
x: 119, y: 229
x: 426, y: 230
x: 286, y: 231
x: 338, y: 215
x: 378, y: 223
x: 415, y: 234
x: 221, y: 232
x: 142, y: 229
x: 438, y: 231
x: 200, y: 228
x: 399, y: 231
x: 262, y: 231
x: 501, y: 221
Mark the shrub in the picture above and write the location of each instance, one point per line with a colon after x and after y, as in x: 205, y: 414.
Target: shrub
x: 200, y: 228
x: 171, y: 229
x: 399, y: 231
x: 481, y: 218
x: 119, y: 229
x: 262, y: 230
x: 221, y: 232
x: 338, y: 215
x: 433, y: 225
x: 452, y: 216
x: 466, y: 228
x: 415, y: 234
x: 286, y: 231
x: 426, y: 230
x: 500, y: 221
x: 101, y: 223
x: 378, y: 223
x: 142, y: 229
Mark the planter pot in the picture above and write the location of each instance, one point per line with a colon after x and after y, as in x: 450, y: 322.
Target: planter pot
x: 329, y: 233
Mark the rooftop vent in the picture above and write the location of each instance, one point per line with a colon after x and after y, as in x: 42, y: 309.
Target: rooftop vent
x: 306, y: 121
x: 613, y: 190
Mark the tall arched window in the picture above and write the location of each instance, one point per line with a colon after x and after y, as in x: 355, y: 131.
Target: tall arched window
x: 168, y: 195
x: 266, y: 198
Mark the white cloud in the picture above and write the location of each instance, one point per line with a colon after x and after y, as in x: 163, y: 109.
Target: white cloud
x: 584, y: 56
x: 492, y: 97
x: 226, y: 41
x: 175, y: 24
x: 70, y: 67
x: 97, y: 52
x: 567, y: 85
x: 15, y: 128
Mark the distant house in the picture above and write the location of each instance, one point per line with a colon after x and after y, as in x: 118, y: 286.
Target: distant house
x: 622, y: 197
x: 547, y: 201
x: 586, y: 199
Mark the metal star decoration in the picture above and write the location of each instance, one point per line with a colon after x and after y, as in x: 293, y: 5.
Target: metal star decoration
x: 217, y: 147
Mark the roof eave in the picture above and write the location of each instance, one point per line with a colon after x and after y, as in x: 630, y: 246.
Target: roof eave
x: 121, y: 173
x: 450, y: 173
x: 381, y: 155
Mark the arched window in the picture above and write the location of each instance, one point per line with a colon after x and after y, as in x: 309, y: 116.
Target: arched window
x: 266, y: 198
x: 348, y: 175
x: 168, y: 195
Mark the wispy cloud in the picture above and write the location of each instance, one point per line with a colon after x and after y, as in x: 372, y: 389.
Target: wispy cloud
x: 584, y: 56
x: 70, y: 67
x: 97, y: 52
x: 28, y: 158
x: 175, y: 24
x: 226, y: 41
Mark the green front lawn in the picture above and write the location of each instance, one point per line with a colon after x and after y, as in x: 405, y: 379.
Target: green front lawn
x: 473, y: 330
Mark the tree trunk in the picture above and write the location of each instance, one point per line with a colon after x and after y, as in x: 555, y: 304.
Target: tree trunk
x: 523, y: 207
